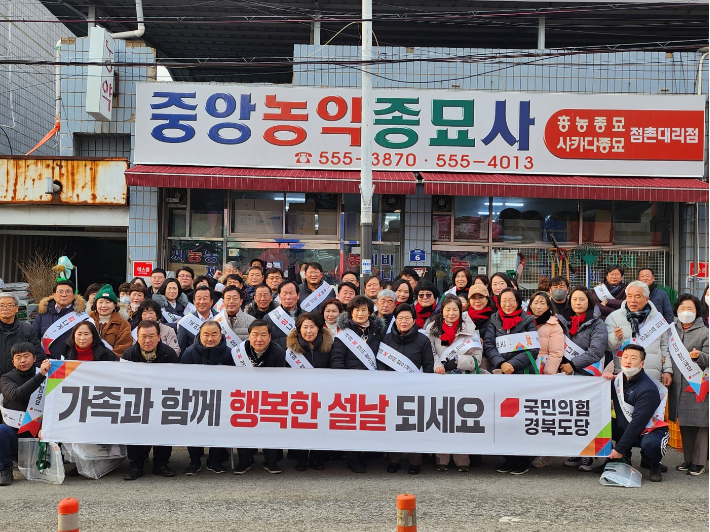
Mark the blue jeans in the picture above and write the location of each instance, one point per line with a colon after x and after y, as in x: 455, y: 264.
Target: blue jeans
x: 8, y: 446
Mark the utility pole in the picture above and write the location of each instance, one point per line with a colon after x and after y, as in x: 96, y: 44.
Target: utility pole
x: 366, y: 187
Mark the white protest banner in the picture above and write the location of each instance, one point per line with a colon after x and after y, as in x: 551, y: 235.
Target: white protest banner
x: 419, y: 130
x: 326, y: 409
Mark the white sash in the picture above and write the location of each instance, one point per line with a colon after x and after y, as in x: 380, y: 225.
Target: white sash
x: 358, y: 347
x: 107, y: 345
x: 282, y: 320
x: 657, y: 420
x: 61, y: 326
x: 296, y: 361
x: 35, y: 409
x: 191, y: 323
x: 276, y: 300
x: 240, y: 356
x: 517, y: 342
x: 693, y: 373
x: 572, y: 350
x: 11, y: 418
x: 396, y: 360
x: 316, y: 297
x: 451, y: 290
x: 170, y: 317
x: 389, y: 329
x: 461, y: 345
x: 134, y: 334
x: 650, y: 330
x: 189, y: 308
x: 219, y: 306
x: 603, y: 292
x: 232, y: 339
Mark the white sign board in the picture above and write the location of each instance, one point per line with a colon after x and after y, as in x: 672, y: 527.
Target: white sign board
x: 99, y: 83
x: 420, y: 130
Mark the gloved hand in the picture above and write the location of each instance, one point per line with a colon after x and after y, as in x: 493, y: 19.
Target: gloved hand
x: 451, y: 364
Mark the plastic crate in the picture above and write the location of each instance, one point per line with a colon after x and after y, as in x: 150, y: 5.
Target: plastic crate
x: 675, y: 440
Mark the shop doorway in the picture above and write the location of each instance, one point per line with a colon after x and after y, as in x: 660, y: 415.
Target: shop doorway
x: 447, y: 257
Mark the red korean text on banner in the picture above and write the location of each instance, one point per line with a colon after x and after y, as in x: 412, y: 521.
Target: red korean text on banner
x: 649, y: 135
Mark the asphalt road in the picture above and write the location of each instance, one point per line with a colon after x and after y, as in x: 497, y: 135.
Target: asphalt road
x: 552, y: 499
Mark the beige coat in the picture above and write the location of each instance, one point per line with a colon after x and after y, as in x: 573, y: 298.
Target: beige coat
x: 466, y: 359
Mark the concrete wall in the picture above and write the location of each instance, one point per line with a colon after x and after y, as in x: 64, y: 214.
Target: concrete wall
x: 27, y: 93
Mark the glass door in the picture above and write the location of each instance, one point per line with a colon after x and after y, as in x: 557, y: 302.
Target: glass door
x: 447, y: 257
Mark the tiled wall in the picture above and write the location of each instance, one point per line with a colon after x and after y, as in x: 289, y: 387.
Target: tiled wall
x: 417, y: 224
x: 143, y: 224
x: 27, y: 92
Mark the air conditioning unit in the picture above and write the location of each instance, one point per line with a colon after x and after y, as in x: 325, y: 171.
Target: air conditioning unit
x: 176, y: 197
x: 441, y: 203
x: 391, y: 202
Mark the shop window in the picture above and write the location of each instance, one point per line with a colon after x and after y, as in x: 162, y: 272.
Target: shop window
x: 206, y: 213
x: 257, y: 213
x: 311, y: 214
x: 177, y: 223
x: 530, y: 220
x: 386, y: 217
x: 471, y: 219
x: 636, y: 223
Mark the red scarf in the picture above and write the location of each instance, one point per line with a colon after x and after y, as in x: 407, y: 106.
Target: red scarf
x: 422, y: 313
x: 510, y: 320
x: 448, y: 333
x: 576, y: 322
x: 479, y: 315
x: 85, y: 355
x: 495, y: 300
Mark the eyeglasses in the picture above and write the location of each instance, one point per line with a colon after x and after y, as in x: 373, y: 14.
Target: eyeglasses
x: 64, y: 292
x: 406, y: 317
x: 7, y: 306
x: 425, y: 295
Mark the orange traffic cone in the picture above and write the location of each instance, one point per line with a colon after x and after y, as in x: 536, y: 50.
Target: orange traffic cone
x: 406, y: 513
x: 68, y: 515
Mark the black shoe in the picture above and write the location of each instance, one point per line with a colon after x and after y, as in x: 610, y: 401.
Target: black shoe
x: 356, y: 467
x: 164, y: 471
x: 74, y: 473
x: 507, y: 466
x: 683, y: 467
x: 476, y: 460
x: 274, y: 468
x: 696, y: 470
x: 301, y: 465
x: 520, y: 470
x: 317, y: 465
x: 392, y: 467
x: 133, y: 474
x: 462, y: 468
x: 414, y: 469
x: 6, y: 477
x: 242, y: 467
x: 216, y: 468
x: 656, y: 475
x: 646, y: 464
x: 193, y: 469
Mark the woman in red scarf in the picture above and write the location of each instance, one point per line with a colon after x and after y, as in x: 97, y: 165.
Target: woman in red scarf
x: 511, y: 320
x: 499, y: 282
x: 447, y: 329
x: 84, y: 344
x: 426, y: 294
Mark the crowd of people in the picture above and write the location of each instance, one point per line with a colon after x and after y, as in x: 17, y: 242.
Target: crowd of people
x: 261, y: 318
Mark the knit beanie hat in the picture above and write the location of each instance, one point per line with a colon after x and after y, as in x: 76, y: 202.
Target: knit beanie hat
x: 106, y: 292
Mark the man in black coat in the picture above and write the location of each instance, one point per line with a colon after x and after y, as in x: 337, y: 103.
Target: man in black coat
x: 16, y: 388
x: 209, y: 349
x: 54, y: 308
x: 150, y: 349
x: 13, y: 331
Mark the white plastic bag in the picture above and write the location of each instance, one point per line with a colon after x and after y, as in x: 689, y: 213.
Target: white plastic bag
x: 94, y: 460
x: 27, y: 458
x: 620, y: 475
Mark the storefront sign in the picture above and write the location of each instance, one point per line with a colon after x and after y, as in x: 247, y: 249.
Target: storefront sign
x: 172, y: 404
x: 142, y: 268
x: 417, y: 255
x: 418, y: 130
x: 99, y: 81
x: 702, y: 269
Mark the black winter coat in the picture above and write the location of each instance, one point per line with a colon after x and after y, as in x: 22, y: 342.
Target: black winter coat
x: 253, y: 310
x: 16, y: 388
x: 277, y: 335
x: 413, y: 345
x: 304, y: 292
x: 101, y: 354
x: 343, y: 358
x: 319, y: 355
x: 164, y: 354
x: 220, y: 355
x: 16, y: 333
x: 47, y: 315
x: 273, y: 357
x: 518, y: 359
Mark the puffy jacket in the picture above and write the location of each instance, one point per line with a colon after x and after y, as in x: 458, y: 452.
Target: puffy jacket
x: 241, y: 324
x: 219, y: 355
x: 465, y: 362
x: 343, y: 358
x: 681, y: 404
x: 16, y: 333
x: 253, y: 310
x: 17, y: 387
x: 552, y: 344
x: 178, y: 308
x: 319, y: 355
x: 304, y: 292
x: 592, y: 338
x: 117, y: 332
x: 47, y: 315
x: 273, y: 357
x: 658, y: 359
x: 101, y: 354
x: 277, y: 335
x: 413, y: 345
x: 518, y: 359
x: 163, y: 354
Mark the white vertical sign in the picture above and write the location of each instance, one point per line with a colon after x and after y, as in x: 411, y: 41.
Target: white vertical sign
x: 99, y: 85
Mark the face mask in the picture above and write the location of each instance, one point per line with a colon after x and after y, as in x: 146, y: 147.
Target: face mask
x: 630, y: 372
x: 303, y: 276
x: 686, y: 317
x: 126, y: 300
x: 559, y: 294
